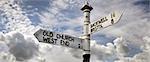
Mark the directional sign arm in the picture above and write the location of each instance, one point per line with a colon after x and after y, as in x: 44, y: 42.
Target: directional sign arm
x: 58, y: 39
x: 113, y: 18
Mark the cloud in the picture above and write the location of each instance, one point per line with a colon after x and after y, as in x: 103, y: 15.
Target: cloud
x: 7, y: 57
x: 21, y: 45
x: 139, y: 57
x: 24, y: 48
x: 13, y: 18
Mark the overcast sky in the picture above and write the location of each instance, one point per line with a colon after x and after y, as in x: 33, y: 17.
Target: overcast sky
x: 126, y: 41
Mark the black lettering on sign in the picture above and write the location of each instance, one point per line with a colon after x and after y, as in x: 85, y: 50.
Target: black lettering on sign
x: 58, y: 36
x: 99, y: 22
x: 49, y: 40
x: 64, y: 37
x: 93, y: 29
x: 96, y: 28
x: 64, y: 43
x: 54, y: 40
x: 79, y: 46
x: 96, y: 23
x: 46, y: 33
x: 112, y: 15
x: 92, y: 25
x: 112, y: 21
x: 106, y: 19
x: 45, y: 39
x: 103, y: 20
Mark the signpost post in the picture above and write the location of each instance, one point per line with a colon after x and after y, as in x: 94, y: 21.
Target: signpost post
x: 86, y: 29
x: 78, y: 43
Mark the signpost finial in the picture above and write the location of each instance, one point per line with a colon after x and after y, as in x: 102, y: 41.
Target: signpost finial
x: 86, y: 6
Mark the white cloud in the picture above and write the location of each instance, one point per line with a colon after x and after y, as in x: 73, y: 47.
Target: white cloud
x: 28, y: 49
x: 6, y: 57
x: 22, y: 45
x: 121, y: 47
x: 15, y: 20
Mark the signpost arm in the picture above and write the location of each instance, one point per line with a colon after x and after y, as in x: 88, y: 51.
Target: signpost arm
x: 86, y: 46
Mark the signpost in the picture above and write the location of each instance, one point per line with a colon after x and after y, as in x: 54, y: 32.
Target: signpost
x: 86, y: 47
x: 58, y: 39
x: 88, y: 28
x: 105, y: 22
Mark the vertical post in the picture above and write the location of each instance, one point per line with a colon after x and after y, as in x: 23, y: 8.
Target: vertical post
x: 86, y: 9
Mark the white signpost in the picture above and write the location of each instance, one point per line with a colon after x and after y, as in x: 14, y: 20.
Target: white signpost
x: 106, y: 21
x: 78, y: 43
x: 58, y: 39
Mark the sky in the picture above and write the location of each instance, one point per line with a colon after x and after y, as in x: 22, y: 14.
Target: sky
x: 126, y: 41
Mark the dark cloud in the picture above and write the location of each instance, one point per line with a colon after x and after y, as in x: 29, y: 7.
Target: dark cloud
x: 22, y: 48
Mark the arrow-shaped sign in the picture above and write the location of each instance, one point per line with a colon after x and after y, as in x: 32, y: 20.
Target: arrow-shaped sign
x: 105, y: 22
x: 58, y: 39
